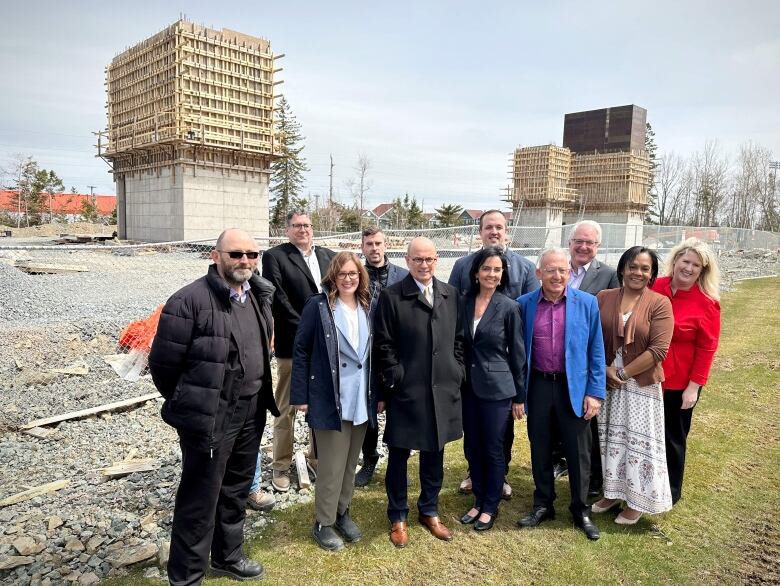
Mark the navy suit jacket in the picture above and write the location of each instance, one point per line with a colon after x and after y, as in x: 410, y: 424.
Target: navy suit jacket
x: 583, y: 345
x: 495, y: 354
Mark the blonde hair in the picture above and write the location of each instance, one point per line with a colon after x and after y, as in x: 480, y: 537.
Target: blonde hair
x: 709, y: 279
x: 362, y: 294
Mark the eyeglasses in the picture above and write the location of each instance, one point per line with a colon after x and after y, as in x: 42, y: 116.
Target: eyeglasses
x: 352, y: 275
x: 236, y: 254
x: 555, y: 270
x: 429, y: 260
x: 579, y: 242
x: 300, y: 226
x: 494, y: 270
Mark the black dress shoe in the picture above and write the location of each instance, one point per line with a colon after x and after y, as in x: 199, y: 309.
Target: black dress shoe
x: 467, y: 519
x: 535, y: 517
x: 243, y: 569
x: 588, y: 527
x: 487, y: 526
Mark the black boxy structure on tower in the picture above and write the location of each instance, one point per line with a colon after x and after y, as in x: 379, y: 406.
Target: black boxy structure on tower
x: 609, y: 130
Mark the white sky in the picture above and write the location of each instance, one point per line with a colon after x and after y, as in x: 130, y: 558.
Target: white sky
x: 437, y: 94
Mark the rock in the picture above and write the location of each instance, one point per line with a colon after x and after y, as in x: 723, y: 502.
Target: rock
x: 74, y: 544
x: 152, y: 573
x: 27, y: 545
x: 15, y: 561
x: 6, y: 515
x: 132, y: 555
x: 163, y: 554
x: 94, y: 543
x: 55, y: 522
x: 73, y: 576
x: 88, y: 578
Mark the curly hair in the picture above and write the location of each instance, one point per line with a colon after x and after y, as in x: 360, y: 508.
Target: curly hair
x: 329, y: 280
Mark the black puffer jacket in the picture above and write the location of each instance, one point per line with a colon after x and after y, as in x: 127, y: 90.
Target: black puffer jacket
x: 189, y: 357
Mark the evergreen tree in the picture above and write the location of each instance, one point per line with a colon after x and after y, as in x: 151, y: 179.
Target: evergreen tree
x: 49, y: 183
x: 415, y: 217
x: 448, y: 214
x: 287, y: 171
x: 651, y: 215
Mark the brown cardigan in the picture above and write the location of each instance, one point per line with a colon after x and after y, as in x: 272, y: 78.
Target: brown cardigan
x: 649, y: 328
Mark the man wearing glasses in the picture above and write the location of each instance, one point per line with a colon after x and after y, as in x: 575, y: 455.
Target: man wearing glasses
x: 211, y: 361
x: 522, y: 279
x: 591, y: 276
x: 296, y: 269
x: 418, y: 357
x: 566, y: 385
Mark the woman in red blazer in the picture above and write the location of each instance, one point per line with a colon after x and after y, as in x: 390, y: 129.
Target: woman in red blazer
x: 691, y: 284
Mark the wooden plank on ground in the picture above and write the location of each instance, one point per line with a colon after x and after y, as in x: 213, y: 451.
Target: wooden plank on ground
x: 39, y: 432
x: 118, y: 469
x: 90, y: 411
x: 38, y: 268
x: 303, y: 472
x: 33, y: 492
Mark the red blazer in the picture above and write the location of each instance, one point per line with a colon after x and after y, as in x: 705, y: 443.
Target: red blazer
x: 695, y: 337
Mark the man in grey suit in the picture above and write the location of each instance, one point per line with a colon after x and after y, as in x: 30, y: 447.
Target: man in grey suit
x: 591, y: 276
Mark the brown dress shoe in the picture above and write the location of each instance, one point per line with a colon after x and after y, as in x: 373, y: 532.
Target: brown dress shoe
x: 436, y: 527
x: 399, y: 535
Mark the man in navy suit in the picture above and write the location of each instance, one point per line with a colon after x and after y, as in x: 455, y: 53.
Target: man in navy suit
x: 566, y: 385
x: 296, y: 269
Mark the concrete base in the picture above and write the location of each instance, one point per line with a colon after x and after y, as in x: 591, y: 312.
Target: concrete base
x: 183, y: 202
x: 548, y: 218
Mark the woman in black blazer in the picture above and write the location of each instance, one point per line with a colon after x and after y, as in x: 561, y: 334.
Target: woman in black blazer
x: 494, y: 386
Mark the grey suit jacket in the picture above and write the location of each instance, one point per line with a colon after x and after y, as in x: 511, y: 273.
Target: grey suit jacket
x: 599, y: 277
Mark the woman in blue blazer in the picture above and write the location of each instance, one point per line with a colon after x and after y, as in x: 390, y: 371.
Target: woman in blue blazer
x: 330, y: 383
x: 495, y: 381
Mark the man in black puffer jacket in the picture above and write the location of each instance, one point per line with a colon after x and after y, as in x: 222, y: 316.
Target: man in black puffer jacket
x: 211, y: 362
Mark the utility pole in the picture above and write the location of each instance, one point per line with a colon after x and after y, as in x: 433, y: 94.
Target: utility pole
x: 330, y: 192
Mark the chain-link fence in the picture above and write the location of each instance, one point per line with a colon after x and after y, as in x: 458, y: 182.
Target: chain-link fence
x: 60, y: 305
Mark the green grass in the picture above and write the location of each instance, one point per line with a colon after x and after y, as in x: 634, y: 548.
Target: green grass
x: 726, y: 529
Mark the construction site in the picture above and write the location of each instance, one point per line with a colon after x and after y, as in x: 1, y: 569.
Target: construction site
x: 190, y: 135
x: 601, y: 172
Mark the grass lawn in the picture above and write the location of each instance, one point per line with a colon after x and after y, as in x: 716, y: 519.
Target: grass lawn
x: 725, y: 530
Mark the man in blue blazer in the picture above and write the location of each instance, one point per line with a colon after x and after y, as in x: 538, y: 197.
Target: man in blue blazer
x: 566, y: 385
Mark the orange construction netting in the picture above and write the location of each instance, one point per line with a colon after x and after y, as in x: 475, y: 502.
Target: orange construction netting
x: 139, y: 334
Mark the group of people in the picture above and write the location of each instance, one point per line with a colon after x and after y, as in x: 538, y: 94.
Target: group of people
x: 606, y: 364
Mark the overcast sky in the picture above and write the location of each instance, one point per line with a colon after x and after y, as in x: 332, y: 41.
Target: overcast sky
x: 436, y: 94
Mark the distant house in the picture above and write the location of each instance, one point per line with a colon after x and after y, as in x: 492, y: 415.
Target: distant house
x: 66, y: 207
x: 469, y: 217
x: 380, y: 216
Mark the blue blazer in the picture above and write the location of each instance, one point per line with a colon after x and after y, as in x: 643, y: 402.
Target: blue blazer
x: 584, y: 345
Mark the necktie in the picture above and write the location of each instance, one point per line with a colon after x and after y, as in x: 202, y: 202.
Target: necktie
x: 429, y: 294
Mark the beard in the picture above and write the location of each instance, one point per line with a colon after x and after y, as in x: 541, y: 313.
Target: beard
x: 238, y: 276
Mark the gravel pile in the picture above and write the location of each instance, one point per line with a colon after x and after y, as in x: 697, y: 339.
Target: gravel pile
x: 93, y: 528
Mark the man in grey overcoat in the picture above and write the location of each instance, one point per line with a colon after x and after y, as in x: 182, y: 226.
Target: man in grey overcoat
x: 418, y: 356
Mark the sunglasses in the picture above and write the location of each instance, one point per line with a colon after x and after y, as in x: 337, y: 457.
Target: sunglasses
x: 236, y: 254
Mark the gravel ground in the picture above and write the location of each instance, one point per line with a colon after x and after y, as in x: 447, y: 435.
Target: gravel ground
x: 93, y: 528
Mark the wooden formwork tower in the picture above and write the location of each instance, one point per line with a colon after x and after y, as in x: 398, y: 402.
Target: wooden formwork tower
x: 611, y: 182
x: 191, y: 101
x: 540, y: 177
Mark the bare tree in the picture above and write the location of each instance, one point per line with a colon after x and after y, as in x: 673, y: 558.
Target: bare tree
x: 751, y: 199
x: 669, y: 179
x: 710, y: 175
x: 360, y: 185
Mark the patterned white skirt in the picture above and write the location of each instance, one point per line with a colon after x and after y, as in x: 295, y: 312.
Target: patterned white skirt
x: 633, y: 450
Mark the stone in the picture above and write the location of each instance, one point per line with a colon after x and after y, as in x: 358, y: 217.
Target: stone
x: 88, y: 578
x: 152, y: 573
x: 94, y: 543
x: 55, y: 522
x: 14, y: 561
x: 163, y: 554
x: 74, y: 544
x: 132, y: 555
x: 73, y: 576
x: 26, y: 545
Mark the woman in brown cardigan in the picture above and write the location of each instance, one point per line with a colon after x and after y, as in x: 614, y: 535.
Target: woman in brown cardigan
x: 637, y: 324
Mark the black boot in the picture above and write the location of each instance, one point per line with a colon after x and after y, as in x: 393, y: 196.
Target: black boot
x: 366, y: 472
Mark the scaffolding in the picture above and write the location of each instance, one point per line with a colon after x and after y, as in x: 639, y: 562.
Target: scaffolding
x: 190, y: 87
x: 540, y: 177
x: 611, y: 181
